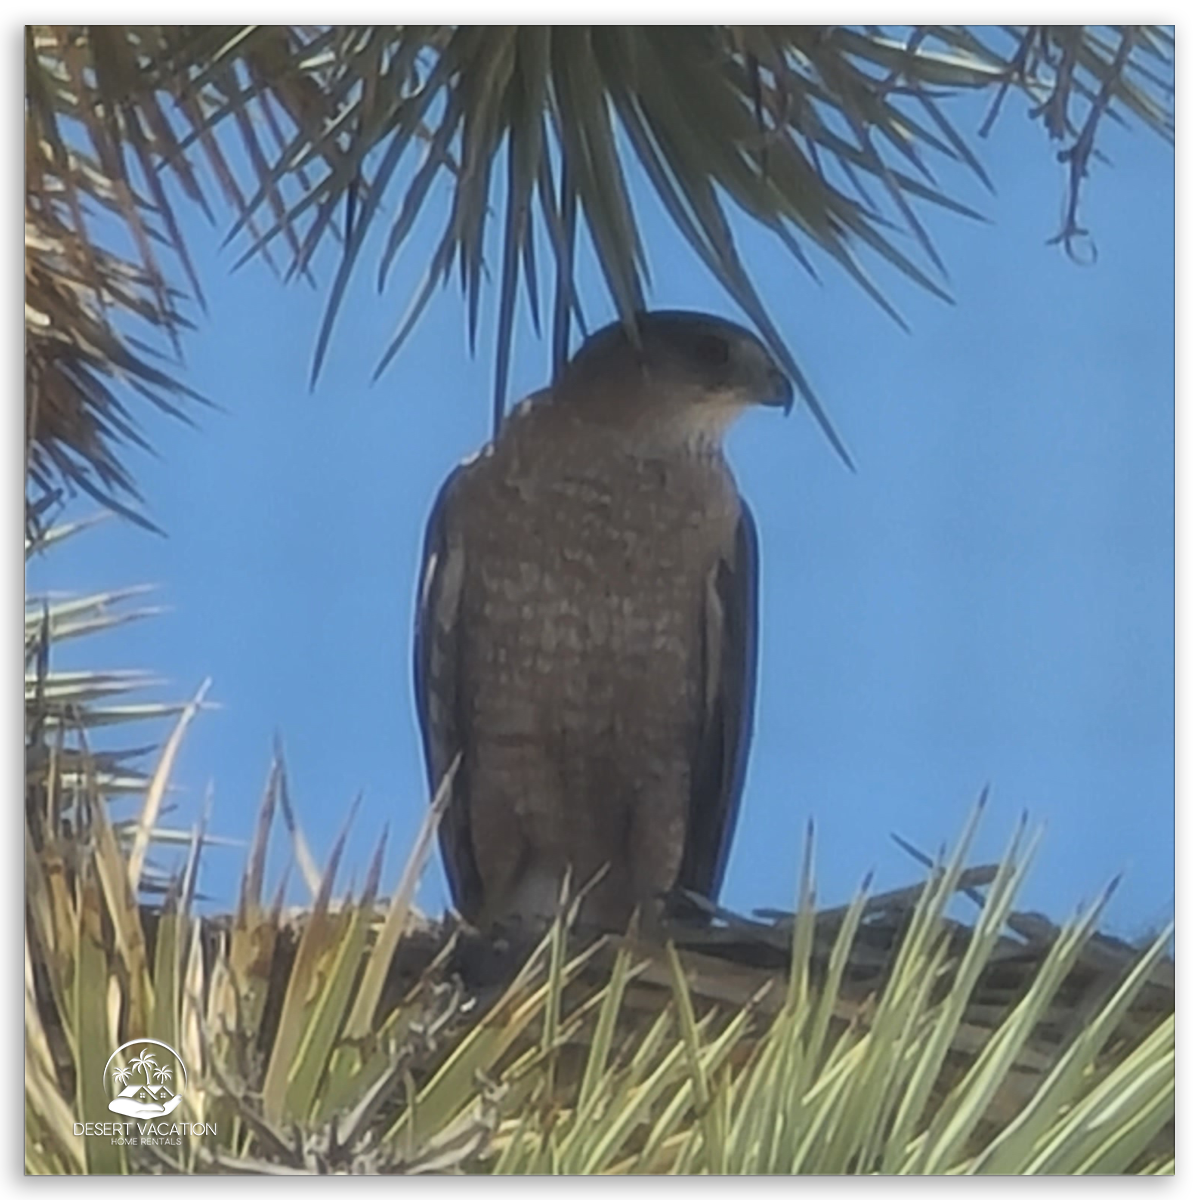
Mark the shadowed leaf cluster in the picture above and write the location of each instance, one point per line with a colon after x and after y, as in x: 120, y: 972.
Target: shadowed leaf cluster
x: 526, y: 138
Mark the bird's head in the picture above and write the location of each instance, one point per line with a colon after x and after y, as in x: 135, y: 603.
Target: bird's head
x: 693, y: 373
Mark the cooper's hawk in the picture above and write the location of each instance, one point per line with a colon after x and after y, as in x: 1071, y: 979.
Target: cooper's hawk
x: 586, y: 629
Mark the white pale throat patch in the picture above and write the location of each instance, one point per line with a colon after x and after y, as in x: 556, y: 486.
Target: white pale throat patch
x: 698, y: 427
x: 708, y: 423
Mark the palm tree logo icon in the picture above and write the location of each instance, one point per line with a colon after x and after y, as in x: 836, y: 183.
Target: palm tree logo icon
x: 141, y: 1071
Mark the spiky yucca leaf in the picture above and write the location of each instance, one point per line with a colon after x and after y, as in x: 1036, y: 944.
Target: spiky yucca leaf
x: 824, y: 135
x: 618, y: 1057
x: 67, y: 712
x: 84, y: 360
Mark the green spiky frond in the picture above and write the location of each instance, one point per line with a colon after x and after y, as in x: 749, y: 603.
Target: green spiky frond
x: 833, y: 138
x: 354, y: 1036
x: 86, y: 731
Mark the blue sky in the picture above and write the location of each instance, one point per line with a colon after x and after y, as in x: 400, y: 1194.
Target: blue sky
x: 988, y: 599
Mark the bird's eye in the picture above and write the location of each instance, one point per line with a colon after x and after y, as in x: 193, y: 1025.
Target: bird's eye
x: 711, y: 350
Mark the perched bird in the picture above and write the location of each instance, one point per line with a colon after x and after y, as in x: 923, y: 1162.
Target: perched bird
x: 586, y: 636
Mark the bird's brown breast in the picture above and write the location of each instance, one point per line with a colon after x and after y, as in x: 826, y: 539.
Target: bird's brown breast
x: 582, y: 607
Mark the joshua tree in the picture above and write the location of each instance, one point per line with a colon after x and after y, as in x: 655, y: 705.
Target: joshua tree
x: 825, y: 136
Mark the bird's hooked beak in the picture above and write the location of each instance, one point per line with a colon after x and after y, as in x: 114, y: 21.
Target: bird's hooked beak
x: 779, y: 392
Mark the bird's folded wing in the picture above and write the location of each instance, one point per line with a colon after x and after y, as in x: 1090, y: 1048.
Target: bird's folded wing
x: 729, y: 665
x: 437, y: 676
